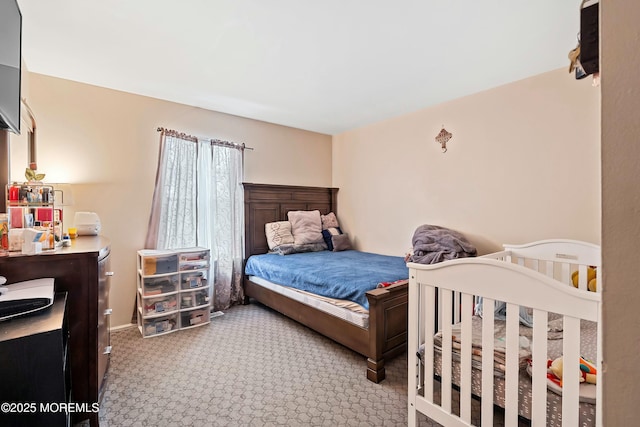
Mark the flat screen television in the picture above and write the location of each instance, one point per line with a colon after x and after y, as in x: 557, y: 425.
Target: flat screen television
x: 10, y: 66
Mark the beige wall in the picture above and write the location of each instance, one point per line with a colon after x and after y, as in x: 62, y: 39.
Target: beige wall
x: 105, y: 143
x: 523, y: 164
x: 620, y: 209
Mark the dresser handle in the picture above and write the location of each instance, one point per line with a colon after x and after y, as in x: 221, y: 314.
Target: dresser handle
x: 108, y: 311
x: 107, y: 350
x: 109, y: 273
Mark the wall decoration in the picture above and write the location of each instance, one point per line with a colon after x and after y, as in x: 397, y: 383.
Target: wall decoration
x: 443, y: 137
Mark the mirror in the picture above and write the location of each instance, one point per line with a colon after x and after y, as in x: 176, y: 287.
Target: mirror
x: 22, y: 148
x: 17, y: 152
x: 31, y: 137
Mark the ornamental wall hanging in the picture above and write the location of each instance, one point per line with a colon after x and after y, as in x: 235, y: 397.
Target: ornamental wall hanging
x: 442, y: 138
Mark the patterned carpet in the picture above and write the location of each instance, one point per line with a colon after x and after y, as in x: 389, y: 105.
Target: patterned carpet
x: 249, y: 367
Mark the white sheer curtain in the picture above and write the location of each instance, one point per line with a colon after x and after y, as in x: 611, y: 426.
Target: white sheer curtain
x: 198, y: 201
x: 222, y: 221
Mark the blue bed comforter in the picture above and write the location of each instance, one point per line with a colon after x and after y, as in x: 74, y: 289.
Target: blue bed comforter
x: 344, y: 275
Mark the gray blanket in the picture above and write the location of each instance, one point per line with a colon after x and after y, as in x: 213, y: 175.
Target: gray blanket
x: 432, y: 244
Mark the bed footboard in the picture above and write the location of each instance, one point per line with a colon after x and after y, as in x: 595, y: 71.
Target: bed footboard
x: 385, y: 338
x: 387, y: 327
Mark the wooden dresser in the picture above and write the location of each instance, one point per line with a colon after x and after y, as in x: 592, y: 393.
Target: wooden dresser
x: 83, y: 271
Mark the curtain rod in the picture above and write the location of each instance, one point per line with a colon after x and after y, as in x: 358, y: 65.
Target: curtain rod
x: 213, y: 141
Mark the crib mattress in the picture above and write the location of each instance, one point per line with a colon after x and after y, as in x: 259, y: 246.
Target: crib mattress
x: 554, y: 401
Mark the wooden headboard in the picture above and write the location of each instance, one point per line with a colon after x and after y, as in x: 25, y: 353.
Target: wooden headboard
x: 264, y: 203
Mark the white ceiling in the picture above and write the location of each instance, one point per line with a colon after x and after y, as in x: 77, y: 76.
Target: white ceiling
x: 325, y: 66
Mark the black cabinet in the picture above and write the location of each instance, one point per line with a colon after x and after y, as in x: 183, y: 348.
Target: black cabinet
x: 83, y: 271
x: 35, y: 381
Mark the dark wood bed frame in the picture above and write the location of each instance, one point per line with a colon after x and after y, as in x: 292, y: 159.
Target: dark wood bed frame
x: 387, y: 333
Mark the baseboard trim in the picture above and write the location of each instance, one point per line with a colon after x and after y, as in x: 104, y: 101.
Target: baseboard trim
x: 133, y: 325
x: 121, y: 327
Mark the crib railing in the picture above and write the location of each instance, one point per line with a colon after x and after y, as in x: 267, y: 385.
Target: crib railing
x: 445, y: 294
x: 559, y: 259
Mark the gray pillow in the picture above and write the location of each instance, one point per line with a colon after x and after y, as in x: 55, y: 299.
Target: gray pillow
x: 306, y: 227
x: 341, y: 242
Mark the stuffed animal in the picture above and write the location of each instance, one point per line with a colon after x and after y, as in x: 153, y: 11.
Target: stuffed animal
x: 591, y: 278
x: 587, y: 371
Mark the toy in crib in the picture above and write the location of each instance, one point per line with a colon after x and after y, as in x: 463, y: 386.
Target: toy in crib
x: 591, y: 279
x: 587, y: 371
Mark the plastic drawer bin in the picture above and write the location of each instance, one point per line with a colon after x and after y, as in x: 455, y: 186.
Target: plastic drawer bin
x: 198, y: 260
x: 197, y: 256
x: 194, y: 280
x: 164, y: 304
x: 194, y: 299
x: 159, y: 325
x: 194, y: 265
x: 194, y: 318
x: 159, y: 264
x: 160, y: 285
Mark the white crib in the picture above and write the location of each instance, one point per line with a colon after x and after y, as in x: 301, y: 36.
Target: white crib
x: 536, y: 276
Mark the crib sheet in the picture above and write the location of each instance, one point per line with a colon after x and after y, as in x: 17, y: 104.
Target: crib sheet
x: 554, y: 349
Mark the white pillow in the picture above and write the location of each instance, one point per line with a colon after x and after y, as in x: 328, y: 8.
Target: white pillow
x: 306, y: 227
x: 278, y: 233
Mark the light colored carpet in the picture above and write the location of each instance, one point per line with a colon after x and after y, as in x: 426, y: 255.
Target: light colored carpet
x: 249, y: 367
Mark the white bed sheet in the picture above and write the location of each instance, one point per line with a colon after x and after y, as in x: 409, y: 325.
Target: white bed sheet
x: 346, y: 310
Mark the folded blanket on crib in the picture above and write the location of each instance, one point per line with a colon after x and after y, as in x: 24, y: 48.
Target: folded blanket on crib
x: 499, y: 344
x: 432, y: 244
